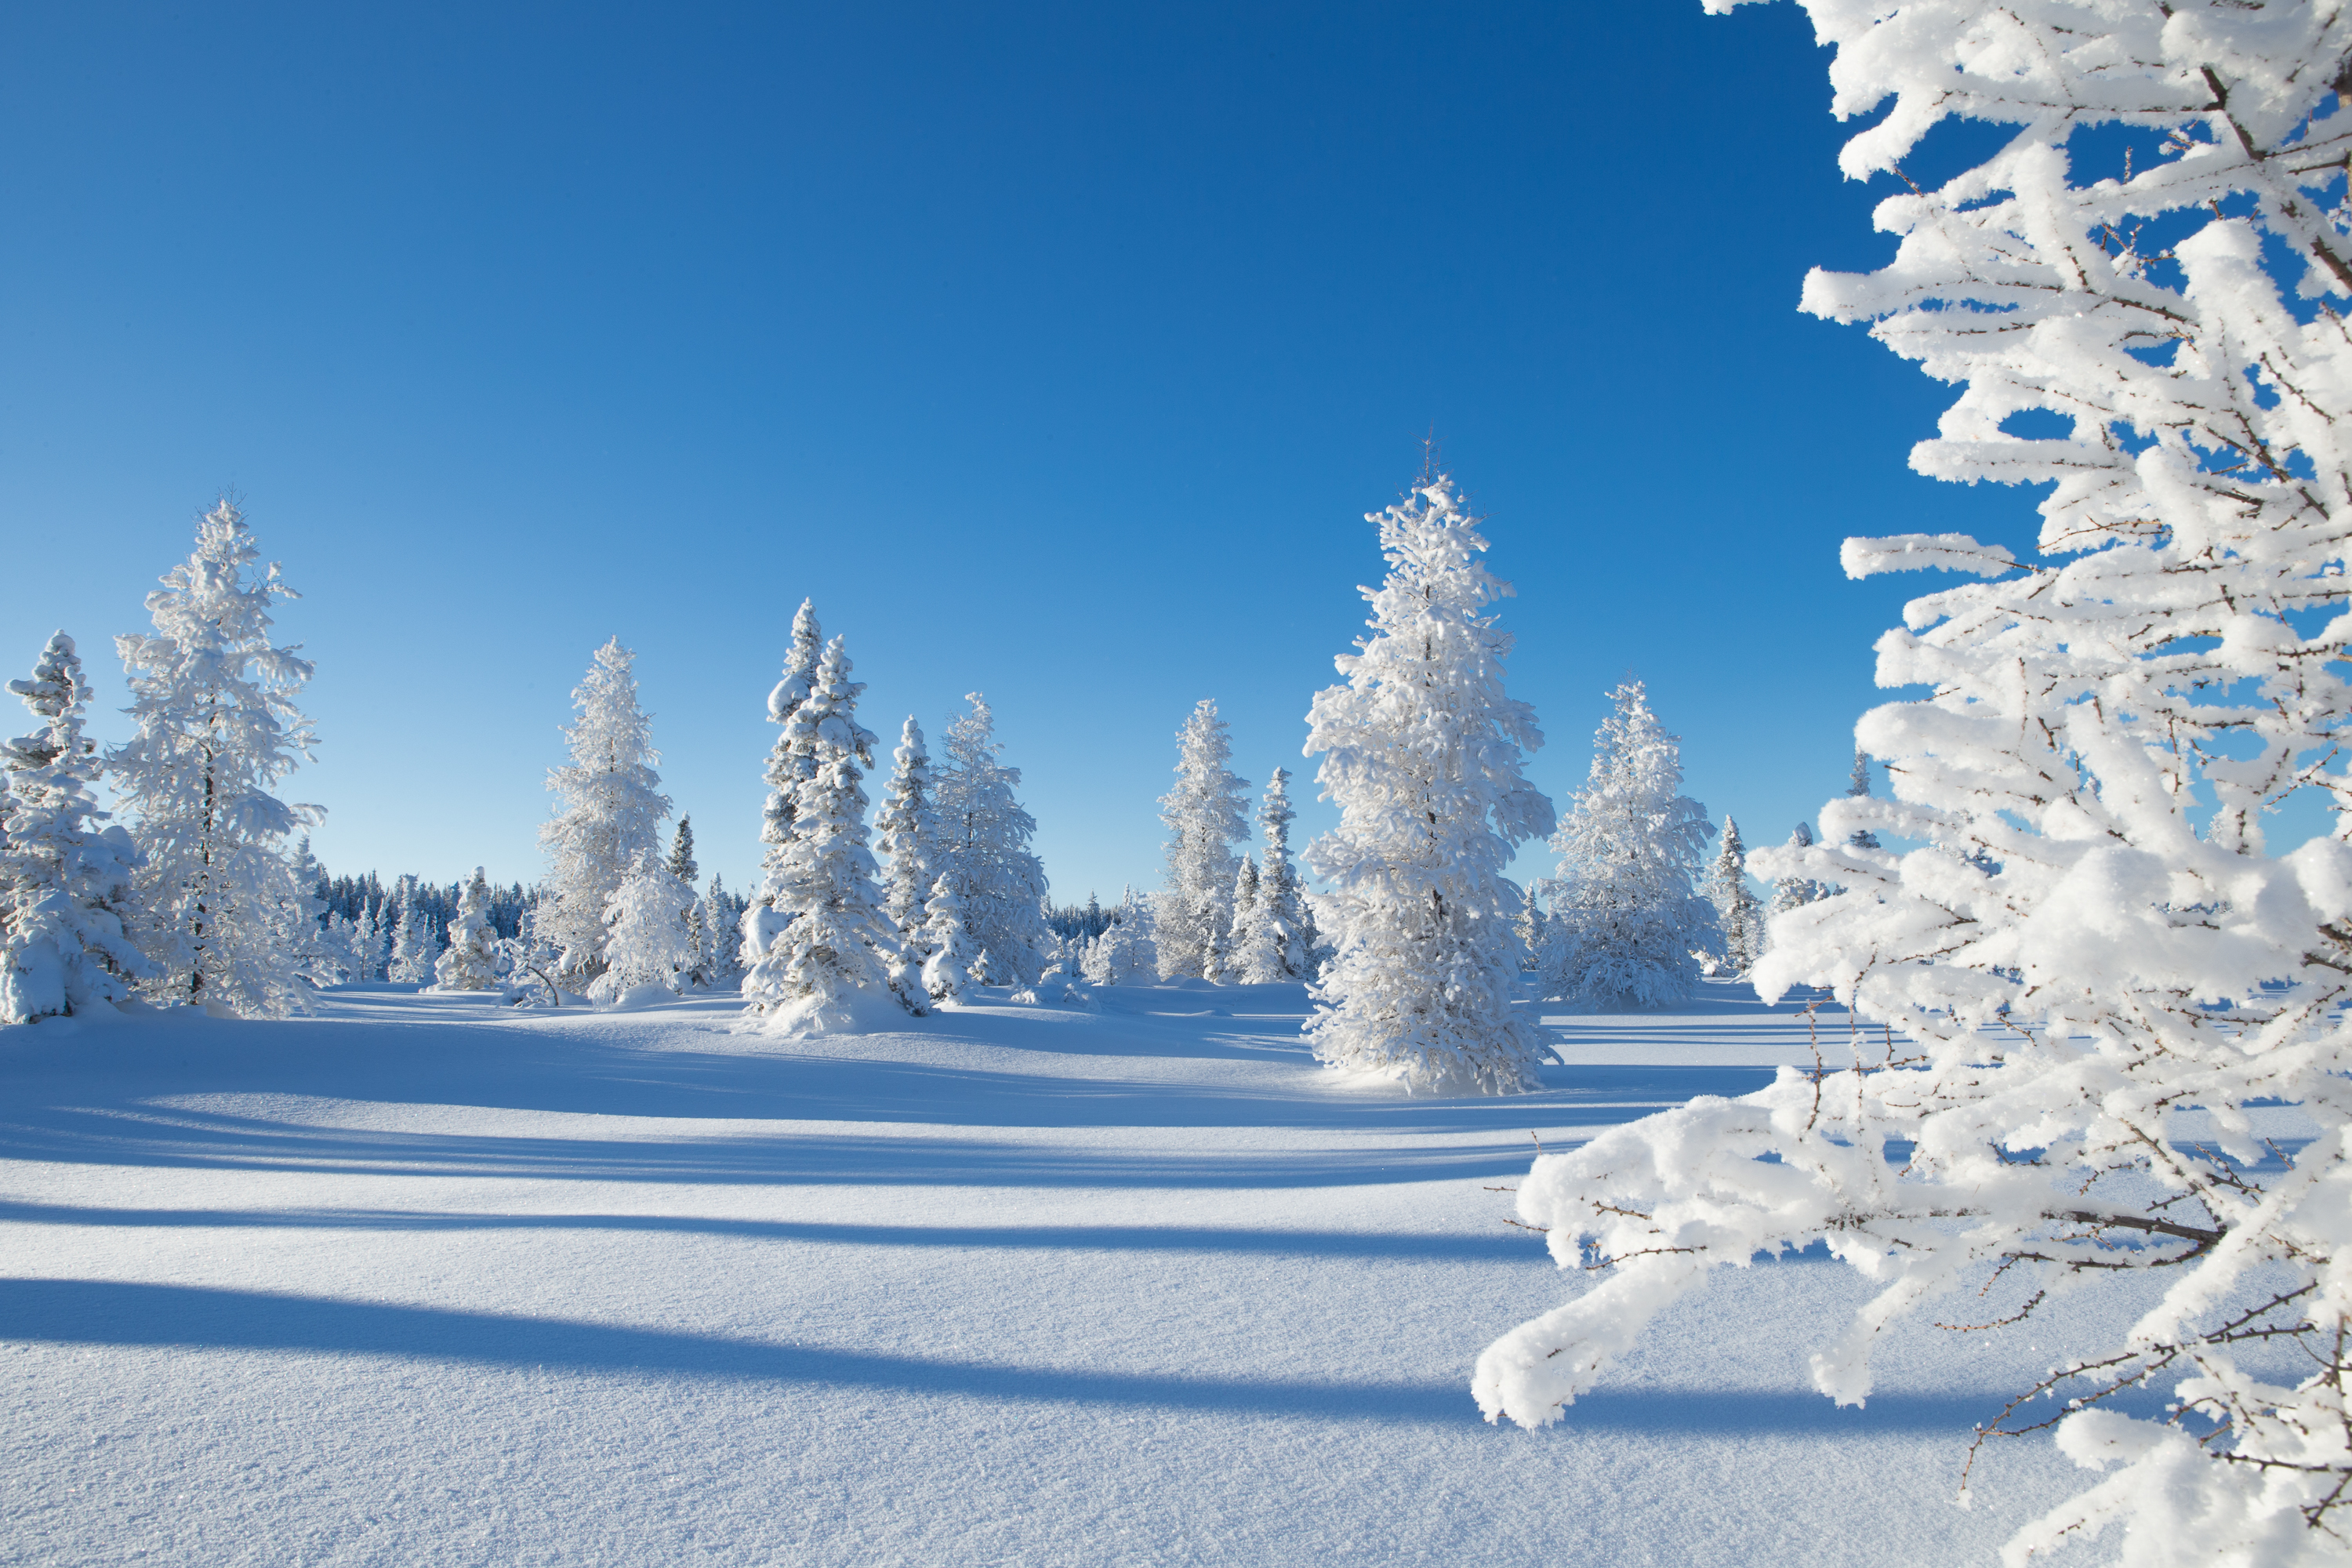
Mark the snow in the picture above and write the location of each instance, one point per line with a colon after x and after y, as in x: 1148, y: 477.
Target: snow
x: 424, y: 1279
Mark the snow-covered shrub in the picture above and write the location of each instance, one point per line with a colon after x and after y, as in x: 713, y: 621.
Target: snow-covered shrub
x: 64, y: 881
x: 470, y: 962
x: 838, y: 954
x: 217, y: 728
x: 1423, y: 752
x: 1204, y: 814
x: 1626, y: 915
x: 612, y: 814
x: 983, y: 847
x: 2074, y: 933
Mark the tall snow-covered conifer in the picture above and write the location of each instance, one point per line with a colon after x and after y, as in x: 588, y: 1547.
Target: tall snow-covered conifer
x: 1739, y: 913
x: 217, y: 729
x: 840, y: 955
x: 1281, y: 933
x: 1626, y: 915
x: 1204, y: 814
x: 983, y: 850
x: 1423, y: 752
x: 612, y: 813
x: 906, y: 826
x: 2098, y: 978
x: 470, y: 962
x: 646, y: 932
x: 64, y: 881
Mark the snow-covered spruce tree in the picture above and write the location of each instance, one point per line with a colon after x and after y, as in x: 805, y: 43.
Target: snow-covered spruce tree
x: 983, y: 849
x: 721, y: 912
x: 1423, y: 752
x: 1858, y: 788
x: 1204, y: 814
x: 65, y: 880
x: 1794, y: 891
x: 412, y: 949
x: 1625, y: 914
x: 612, y: 813
x: 470, y: 962
x: 946, y: 971
x: 1282, y: 931
x: 213, y: 700
x: 840, y: 954
x: 682, y: 862
x: 1531, y: 927
x: 1124, y: 953
x: 1243, y: 901
x: 645, y: 939
x: 370, y: 940
x: 785, y: 774
x: 905, y: 826
x: 2095, y: 970
x: 1739, y: 912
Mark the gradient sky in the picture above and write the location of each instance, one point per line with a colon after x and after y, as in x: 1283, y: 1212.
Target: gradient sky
x: 1055, y: 350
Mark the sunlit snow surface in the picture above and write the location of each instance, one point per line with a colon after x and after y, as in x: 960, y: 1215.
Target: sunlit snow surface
x: 427, y: 1281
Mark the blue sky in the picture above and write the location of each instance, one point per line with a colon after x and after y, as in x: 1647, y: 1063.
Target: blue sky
x: 1056, y: 351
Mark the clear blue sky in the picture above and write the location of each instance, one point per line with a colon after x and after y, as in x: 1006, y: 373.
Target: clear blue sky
x: 1055, y: 350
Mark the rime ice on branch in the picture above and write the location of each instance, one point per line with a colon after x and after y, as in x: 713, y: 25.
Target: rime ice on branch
x: 2071, y: 917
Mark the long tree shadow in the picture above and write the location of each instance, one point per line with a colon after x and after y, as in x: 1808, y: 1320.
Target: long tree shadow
x: 107, y: 1313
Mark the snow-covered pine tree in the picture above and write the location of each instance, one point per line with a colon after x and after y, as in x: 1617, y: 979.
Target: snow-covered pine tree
x: 217, y: 730
x: 1282, y: 933
x: 2096, y: 974
x: 905, y: 827
x: 1123, y: 954
x: 722, y: 913
x: 646, y: 932
x: 1533, y: 929
x: 1235, y: 970
x: 785, y: 773
x: 412, y: 941
x: 1204, y: 814
x: 1423, y: 752
x: 470, y: 962
x: 1739, y: 912
x: 1793, y: 892
x: 1858, y: 788
x: 1625, y: 914
x: 984, y: 848
x: 681, y: 854
x: 372, y: 940
x: 946, y: 972
x: 613, y: 809
x: 64, y: 881
x: 839, y: 957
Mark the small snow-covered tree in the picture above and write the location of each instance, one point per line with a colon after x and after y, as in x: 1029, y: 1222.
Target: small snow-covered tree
x: 1739, y: 912
x: 213, y: 700
x: 470, y: 962
x: 1625, y: 914
x: 839, y: 953
x: 681, y: 853
x: 413, y: 946
x: 1858, y: 788
x: 613, y: 809
x: 947, y: 970
x: 1281, y: 932
x: 1422, y: 751
x: 721, y: 911
x: 1531, y: 928
x: 906, y: 826
x: 2094, y: 979
x: 372, y: 940
x: 1204, y: 814
x: 65, y: 880
x: 1125, y: 952
x: 646, y: 932
x: 1795, y: 892
x: 984, y: 848
x: 1236, y: 952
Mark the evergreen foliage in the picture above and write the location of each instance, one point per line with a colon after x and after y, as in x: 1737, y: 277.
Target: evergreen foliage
x: 213, y: 701
x: 1204, y: 814
x: 611, y: 812
x: 66, y: 882
x: 906, y: 827
x: 984, y: 848
x: 470, y: 962
x: 1423, y: 752
x: 1739, y: 912
x: 1625, y: 915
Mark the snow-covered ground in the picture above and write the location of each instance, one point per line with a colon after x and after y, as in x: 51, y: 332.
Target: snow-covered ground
x: 426, y: 1280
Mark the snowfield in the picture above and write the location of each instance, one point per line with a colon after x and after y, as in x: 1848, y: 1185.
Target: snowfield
x: 426, y: 1280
